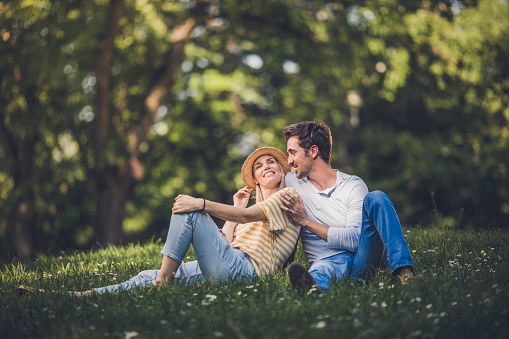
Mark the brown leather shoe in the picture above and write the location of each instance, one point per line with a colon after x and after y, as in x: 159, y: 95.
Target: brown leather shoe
x: 405, y: 274
x: 301, y: 280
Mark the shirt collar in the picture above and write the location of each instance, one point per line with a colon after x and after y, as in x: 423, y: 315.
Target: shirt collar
x: 328, y: 191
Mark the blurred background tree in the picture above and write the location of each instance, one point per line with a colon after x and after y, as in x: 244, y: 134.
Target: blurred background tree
x: 109, y: 109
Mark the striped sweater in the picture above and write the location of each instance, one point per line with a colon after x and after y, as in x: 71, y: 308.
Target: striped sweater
x: 268, y: 243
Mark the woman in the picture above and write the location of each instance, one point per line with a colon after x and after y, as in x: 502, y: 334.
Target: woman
x: 253, y: 242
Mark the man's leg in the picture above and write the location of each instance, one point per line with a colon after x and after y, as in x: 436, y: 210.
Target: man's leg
x: 322, y: 273
x: 331, y: 270
x: 381, y: 235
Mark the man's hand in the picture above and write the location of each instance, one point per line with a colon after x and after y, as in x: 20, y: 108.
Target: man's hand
x: 186, y: 204
x: 294, y: 207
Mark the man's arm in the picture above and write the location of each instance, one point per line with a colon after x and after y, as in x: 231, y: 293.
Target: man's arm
x: 348, y: 237
x: 336, y: 237
x: 296, y: 211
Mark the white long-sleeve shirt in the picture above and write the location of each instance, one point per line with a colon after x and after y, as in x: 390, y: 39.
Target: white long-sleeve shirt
x: 339, y: 207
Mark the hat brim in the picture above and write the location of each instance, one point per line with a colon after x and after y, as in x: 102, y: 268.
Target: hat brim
x: 247, y: 167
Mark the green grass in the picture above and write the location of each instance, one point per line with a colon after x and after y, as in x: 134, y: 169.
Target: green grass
x: 461, y: 291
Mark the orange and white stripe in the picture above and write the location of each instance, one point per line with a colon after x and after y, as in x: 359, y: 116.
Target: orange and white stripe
x: 268, y: 243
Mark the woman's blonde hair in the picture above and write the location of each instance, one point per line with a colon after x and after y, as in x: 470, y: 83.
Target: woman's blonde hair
x: 259, y: 195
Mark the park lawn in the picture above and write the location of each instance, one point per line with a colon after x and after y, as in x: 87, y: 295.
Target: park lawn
x: 461, y: 290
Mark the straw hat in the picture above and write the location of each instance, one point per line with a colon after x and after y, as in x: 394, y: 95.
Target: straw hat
x: 247, y: 168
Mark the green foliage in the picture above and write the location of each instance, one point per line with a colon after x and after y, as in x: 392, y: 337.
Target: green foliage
x: 460, y: 290
x: 416, y: 95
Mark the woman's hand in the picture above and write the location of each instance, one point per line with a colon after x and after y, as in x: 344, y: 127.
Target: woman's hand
x: 186, y: 204
x: 241, y: 198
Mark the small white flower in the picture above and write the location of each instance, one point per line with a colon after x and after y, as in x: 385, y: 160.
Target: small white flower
x: 130, y: 334
x: 321, y: 324
x: 429, y: 306
x: 211, y: 297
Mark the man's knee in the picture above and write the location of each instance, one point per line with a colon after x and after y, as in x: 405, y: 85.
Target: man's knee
x: 376, y: 198
x: 321, y: 269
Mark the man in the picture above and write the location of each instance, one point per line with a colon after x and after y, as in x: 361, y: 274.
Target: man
x: 345, y: 230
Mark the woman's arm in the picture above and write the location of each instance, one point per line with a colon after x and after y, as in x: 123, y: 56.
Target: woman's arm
x: 187, y: 204
x: 235, y: 214
x: 240, y: 199
x: 229, y: 230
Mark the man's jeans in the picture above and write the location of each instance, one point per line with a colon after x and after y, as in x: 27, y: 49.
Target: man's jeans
x: 381, y: 235
x: 216, y: 259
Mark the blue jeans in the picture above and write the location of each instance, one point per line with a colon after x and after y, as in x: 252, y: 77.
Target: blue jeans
x: 331, y: 269
x: 216, y: 259
x: 381, y: 235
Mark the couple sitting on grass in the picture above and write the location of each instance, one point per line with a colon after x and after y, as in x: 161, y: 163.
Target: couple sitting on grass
x: 345, y: 231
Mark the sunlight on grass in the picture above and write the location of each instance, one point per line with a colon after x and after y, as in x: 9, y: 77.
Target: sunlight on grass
x: 461, y: 289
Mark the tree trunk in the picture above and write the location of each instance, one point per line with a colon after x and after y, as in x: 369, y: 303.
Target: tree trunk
x: 113, y: 196
x: 23, y: 231
x: 112, y: 188
x: 21, y: 170
x: 115, y: 184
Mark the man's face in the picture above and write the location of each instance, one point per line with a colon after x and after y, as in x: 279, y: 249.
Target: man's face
x: 299, y: 158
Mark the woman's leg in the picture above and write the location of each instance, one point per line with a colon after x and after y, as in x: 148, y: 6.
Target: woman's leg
x: 141, y: 280
x: 217, y: 260
x: 188, y: 273
x: 381, y: 235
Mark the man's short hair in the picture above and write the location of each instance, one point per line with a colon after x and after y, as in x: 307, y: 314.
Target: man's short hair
x: 311, y: 133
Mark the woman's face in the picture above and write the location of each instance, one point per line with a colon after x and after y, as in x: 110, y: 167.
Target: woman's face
x: 267, y: 172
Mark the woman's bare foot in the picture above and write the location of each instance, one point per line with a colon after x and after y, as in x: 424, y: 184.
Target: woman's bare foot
x: 81, y: 294
x: 22, y: 289
x: 25, y: 290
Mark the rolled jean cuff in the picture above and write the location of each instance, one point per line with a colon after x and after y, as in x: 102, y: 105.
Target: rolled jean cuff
x: 393, y: 269
x: 172, y: 256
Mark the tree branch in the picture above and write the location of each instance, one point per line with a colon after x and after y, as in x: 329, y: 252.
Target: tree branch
x: 163, y: 83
